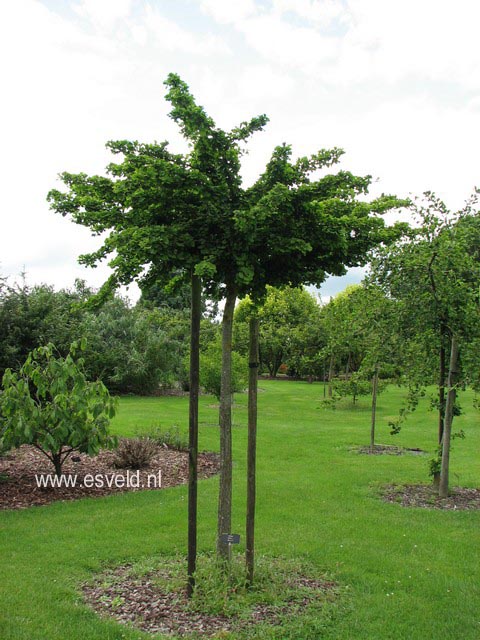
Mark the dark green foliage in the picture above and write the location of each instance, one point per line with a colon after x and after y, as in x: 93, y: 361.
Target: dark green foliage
x: 135, y: 350
x: 32, y: 316
x: 132, y: 350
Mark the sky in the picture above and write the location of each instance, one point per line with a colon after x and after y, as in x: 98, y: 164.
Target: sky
x: 395, y: 84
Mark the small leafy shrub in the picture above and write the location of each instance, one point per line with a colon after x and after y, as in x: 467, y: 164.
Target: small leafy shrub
x: 171, y: 438
x: 211, y: 370
x: 134, y: 453
x: 51, y: 405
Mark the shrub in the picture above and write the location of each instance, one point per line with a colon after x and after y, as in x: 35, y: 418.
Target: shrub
x: 50, y: 404
x: 134, y: 453
x: 210, y: 370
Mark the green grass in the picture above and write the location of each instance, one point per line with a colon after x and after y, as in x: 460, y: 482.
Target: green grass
x: 407, y: 573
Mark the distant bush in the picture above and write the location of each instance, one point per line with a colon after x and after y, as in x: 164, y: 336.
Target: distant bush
x: 210, y: 370
x: 171, y: 438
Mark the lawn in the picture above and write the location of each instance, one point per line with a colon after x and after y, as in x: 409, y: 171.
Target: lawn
x: 403, y: 573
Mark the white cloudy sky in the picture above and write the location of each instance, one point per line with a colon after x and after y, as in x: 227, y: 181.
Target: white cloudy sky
x: 395, y: 83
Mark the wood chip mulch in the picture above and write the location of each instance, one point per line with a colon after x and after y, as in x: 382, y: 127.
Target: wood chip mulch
x: 141, y: 602
x: 389, y: 450
x: 18, y: 468
x: 425, y: 496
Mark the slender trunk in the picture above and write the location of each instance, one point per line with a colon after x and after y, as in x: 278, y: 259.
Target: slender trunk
x: 374, y: 408
x: 330, y: 376
x: 347, y: 368
x: 441, y: 400
x: 225, y: 488
x: 278, y: 363
x: 447, y: 426
x: 441, y: 392
x: 196, y: 312
x: 252, y: 448
x: 324, y: 380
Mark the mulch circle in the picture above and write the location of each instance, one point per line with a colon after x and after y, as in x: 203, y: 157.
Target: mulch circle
x: 19, y: 468
x: 140, y: 600
x: 389, y: 450
x: 425, y: 496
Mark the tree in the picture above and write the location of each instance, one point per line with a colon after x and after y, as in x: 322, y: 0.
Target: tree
x: 434, y: 274
x: 362, y: 340
x: 165, y: 214
x: 285, y: 317
x: 50, y: 404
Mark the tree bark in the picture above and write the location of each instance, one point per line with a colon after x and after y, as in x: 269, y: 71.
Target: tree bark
x: 196, y: 312
x: 57, y: 463
x: 330, y: 376
x: 225, y: 481
x: 447, y: 425
x: 441, y: 399
x: 374, y: 408
x: 252, y: 448
x: 347, y: 368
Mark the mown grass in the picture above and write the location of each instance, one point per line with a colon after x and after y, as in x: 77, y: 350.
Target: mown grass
x: 406, y: 573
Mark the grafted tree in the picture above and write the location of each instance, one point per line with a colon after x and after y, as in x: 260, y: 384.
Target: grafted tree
x: 166, y: 213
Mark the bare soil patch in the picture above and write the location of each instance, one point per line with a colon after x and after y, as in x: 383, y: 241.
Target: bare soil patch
x: 155, y: 602
x: 19, y: 468
x: 425, y: 496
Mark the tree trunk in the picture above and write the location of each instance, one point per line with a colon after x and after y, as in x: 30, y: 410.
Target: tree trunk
x: 441, y: 400
x: 225, y: 486
x: 347, y: 368
x: 196, y: 312
x: 252, y: 448
x: 441, y: 392
x: 324, y: 380
x: 374, y: 408
x: 330, y: 376
x: 447, y: 425
x: 57, y: 463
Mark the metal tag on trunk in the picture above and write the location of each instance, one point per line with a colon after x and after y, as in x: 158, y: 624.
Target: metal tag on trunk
x: 230, y: 538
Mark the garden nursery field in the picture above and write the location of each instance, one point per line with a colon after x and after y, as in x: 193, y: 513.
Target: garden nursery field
x: 393, y: 572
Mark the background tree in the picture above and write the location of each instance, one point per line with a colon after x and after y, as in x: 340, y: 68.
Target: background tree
x: 362, y: 336
x: 434, y: 275
x: 130, y: 349
x: 285, y: 316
